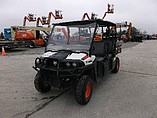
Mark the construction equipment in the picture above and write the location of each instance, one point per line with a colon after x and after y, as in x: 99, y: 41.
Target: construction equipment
x: 127, y: 35
x: 22, y: 36
x: 110, y: 10
x: 35, y: 35
x: 46, y: 20
x: 30, y: 17
x: 93, y: 16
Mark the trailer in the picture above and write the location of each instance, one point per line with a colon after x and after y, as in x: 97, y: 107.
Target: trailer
x: 24, y: 36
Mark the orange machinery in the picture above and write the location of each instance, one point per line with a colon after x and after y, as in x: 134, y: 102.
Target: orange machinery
x: 125, y: 37
x: 110, y: 10
x: 24, y: 35
x: 31, y: 18
x: 29, y: 36
x: 33, y: 33
x: 46, y: 20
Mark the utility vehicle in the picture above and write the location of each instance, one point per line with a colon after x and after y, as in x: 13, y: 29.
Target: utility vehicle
x: 78, y: 53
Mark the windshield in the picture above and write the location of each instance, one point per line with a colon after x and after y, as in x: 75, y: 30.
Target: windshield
x: 72, y: 37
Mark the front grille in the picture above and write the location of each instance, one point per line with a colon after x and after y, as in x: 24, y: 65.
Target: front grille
x: 51, y: 77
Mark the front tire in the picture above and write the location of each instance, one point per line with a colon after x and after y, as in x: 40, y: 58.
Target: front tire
x: 39, y: 84
x: 83, y: 91
x: 117, y: 65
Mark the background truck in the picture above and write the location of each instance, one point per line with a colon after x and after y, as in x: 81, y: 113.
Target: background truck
x: 7, y: 33
x: 23, y: 36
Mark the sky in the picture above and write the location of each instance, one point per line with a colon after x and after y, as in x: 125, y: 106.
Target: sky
x: 142, y: 13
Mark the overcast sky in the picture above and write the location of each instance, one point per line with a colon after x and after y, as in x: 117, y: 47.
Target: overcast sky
x: 142, y: 13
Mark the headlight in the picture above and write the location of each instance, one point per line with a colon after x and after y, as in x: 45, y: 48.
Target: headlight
x: 74, y: 64
x: 38, y: 61
x: 55, y: 63
x: 68, y: 64
x: 71, y: 64
x: 45, y: 61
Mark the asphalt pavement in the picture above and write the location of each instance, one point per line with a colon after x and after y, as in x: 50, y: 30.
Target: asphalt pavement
x: 131, y: 93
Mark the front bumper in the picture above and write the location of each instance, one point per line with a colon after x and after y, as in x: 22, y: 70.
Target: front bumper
x: 58, y: 73
x: 62, y: 78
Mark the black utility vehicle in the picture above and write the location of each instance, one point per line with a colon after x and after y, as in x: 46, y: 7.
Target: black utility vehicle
x: 78, y: 53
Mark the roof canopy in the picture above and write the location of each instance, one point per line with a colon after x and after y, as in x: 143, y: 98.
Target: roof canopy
x: 100, y: 22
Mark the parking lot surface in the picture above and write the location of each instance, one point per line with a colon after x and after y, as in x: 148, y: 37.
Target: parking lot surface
x: 131, y: 93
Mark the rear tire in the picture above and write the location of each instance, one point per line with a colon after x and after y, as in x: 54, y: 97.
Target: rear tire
x: 39, y: 84
x: 32, y: 44
x: 83, y: 91
x: 117, y: 65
